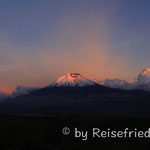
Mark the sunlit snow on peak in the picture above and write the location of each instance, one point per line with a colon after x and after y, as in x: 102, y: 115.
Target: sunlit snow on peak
x: 72, y: 79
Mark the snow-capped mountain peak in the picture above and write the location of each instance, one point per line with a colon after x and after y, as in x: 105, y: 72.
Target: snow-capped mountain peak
x: 72, y: 79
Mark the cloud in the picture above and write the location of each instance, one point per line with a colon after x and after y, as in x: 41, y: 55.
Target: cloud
x: 23, y: 90
x: 142, y: 82
x: 114, y: 83
x: 144, y: 77
x: 117, y: 83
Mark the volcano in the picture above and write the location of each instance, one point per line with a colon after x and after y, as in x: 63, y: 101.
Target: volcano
x: 73, y: 84
x: 72, y: 79
x: 74, y: 93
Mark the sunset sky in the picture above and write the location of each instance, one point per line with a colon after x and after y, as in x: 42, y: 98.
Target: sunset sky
x: 40, y: 40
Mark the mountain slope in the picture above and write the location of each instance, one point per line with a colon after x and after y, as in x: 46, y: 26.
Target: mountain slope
x: 74, y: 93
x: 73, y: 84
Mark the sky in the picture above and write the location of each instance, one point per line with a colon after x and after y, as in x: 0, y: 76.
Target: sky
x: 43, y: 40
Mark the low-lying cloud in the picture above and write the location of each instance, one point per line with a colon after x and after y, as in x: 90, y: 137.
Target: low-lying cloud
x: 142, y: 82
x: 20, y: 90
x: 23, y: 90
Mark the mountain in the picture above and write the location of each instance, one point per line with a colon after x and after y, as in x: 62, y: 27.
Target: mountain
x: 72, y: 79
x: 73, y: 84
x: 74, y: 93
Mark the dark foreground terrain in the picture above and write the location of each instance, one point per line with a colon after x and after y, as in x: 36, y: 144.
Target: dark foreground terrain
x: 74, y: 107
x: 44, y: 132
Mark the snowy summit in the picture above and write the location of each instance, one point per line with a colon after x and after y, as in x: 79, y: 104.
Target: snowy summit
x: 72, y: 79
